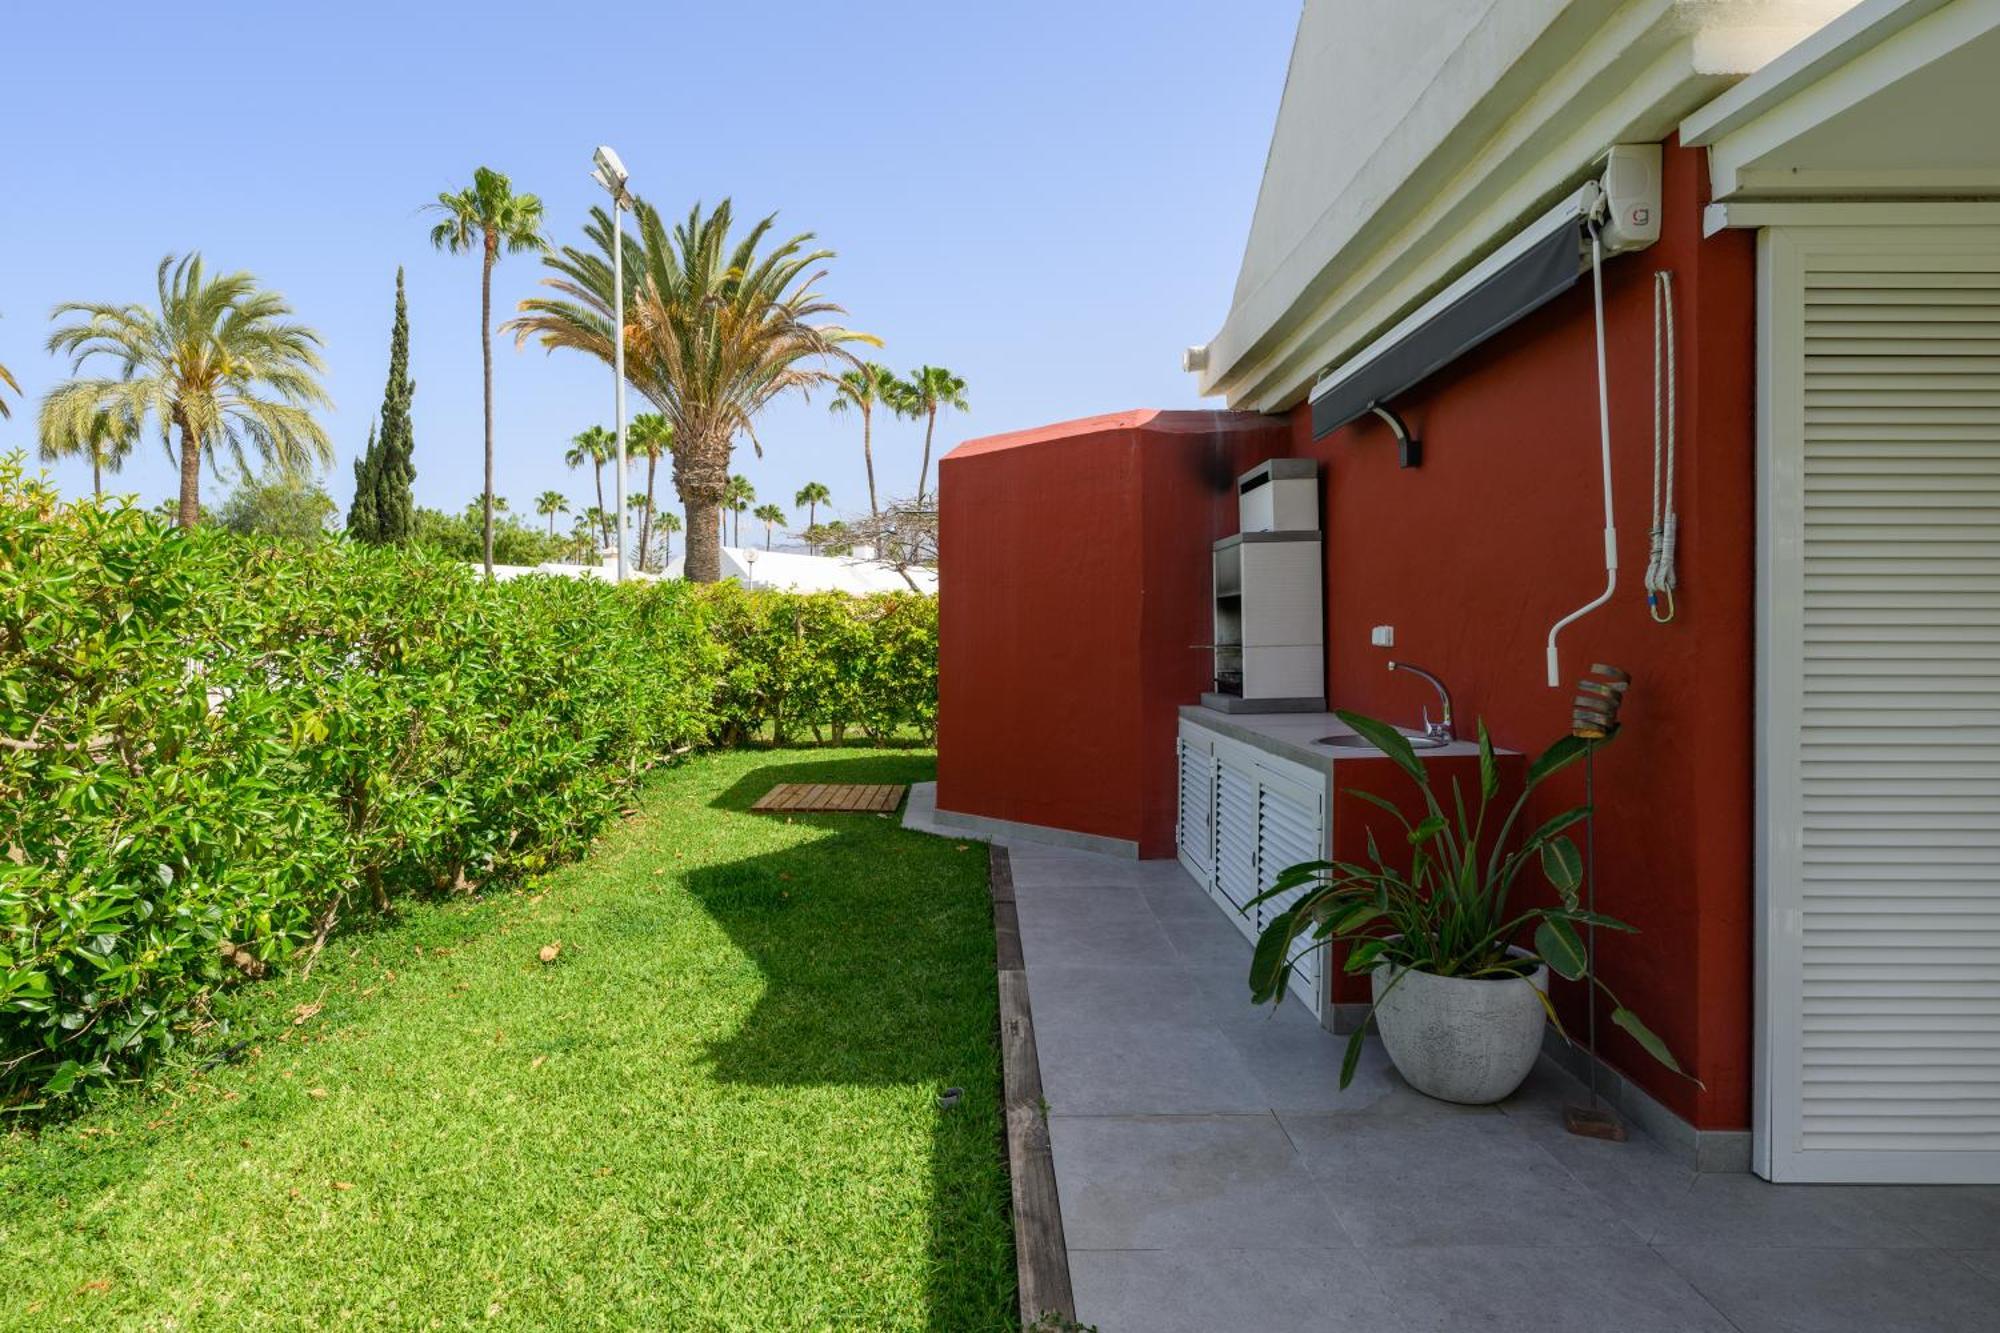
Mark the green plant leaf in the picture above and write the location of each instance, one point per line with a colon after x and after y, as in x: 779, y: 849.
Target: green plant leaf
x: 1489, y: 767
x: 1556, y: 758
x: 1563, y: 864
x: 1268, y: 961
x: 1645, y: 1036
x: 1352, y: 1056
x: 1557, y: 942
x: 1426, y: 829
x: 1389, y: 741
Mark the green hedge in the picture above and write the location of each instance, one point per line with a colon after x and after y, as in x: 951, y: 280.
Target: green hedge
x: 212, y: 750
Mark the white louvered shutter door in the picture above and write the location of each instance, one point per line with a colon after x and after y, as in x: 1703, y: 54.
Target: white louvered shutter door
x: 1289, y: 829
x: 1196, y: 827
x: 1879, y: 759
x: 1236, y: 840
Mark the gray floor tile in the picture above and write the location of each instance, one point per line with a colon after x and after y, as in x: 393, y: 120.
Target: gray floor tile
x: 1953, y: 1217
x: 1088, y: 928
x: 1837, y: 1290
x: 1203, y: 1289
x: 1192, y: 1181
x: 1599, y: 1289
x: 1145, y: 1069
x: 1210, y: 941
x: 1179, y: 897
x: 1133, y: 1040
x: 1638, y: 1179
x: 1447, y: 1180
x: 1984, y: 1262
x: 1056, y: 865
x: 1745, y: 1210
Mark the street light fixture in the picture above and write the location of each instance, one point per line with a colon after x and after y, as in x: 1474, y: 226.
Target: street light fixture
x: 611, y: 174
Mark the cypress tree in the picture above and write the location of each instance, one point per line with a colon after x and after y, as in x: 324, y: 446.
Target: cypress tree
x: 382, y: 507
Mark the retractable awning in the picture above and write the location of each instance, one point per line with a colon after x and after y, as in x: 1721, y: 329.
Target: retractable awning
x: 1482, y: 303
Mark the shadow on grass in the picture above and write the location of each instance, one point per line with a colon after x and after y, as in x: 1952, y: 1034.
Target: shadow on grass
x: 876, y: 947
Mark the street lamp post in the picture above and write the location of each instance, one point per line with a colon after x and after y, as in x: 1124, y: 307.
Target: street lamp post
x: 610, y: 173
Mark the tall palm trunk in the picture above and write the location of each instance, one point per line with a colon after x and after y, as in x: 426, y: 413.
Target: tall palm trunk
x: 646, y: 519
x: 868, y: 454
x: 923, y: 473
x: 486, y: 357
x: 97, y: 475
x: 702, y: 480
x: 552, y: 525
x: 190, y: 475
x: 812, y: 513
x: 602, y: 536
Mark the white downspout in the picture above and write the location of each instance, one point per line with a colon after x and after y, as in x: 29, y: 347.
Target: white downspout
x: 1604, y: 441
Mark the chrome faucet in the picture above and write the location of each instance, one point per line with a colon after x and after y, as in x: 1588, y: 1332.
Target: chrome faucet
x: 1439, y: 731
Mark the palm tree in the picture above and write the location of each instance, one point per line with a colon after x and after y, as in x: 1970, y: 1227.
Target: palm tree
x: 928, y: 389
x: 862, y: 389
x: 812, y: 495
x: 639, y: 503
x: 596, y: 446
x: 669, y: 524
x: 651, y: 435
x: 488, y: 214
x: 106, y: 440
x: 738, y: 498
x: 549, y: 504
x: 218, y: 362
x: 716, y: 328
x: 770, y: 516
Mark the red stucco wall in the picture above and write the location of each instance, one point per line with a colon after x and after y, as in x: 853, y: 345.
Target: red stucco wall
x: 1074, y: 579
x: 1073, y: 592
x: 1474, y: 555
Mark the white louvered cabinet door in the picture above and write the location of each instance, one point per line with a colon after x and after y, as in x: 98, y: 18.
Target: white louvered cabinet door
x: 1290, y: 827
x: 1879, y: 705
x: 1195, y: 827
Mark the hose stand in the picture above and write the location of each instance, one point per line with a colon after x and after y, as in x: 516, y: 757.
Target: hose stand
x: 1595, y: 719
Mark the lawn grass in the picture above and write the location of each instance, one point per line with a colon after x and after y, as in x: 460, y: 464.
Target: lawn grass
x: 714, y: 1109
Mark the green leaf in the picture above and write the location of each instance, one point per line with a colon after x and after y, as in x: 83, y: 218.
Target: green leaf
x: 1364, y: 956
x: 1563, y: 864
x: 1556, y: 758
x: 1426, y: 829
x: 1645, y: 1036
x: 1268, y: 964
x: 1389, y: 741
x: 1557, y: 942
x: 1352, y: 1057
x: 1583, y: 918
x: 1489, y: 767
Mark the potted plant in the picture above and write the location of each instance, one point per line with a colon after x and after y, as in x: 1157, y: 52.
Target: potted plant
x: 1459, y: 962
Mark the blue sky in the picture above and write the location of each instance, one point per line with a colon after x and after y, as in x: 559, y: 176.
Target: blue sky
x: 1050, y: 199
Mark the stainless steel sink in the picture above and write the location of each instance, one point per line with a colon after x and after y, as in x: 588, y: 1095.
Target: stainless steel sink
x: 1350, y: 741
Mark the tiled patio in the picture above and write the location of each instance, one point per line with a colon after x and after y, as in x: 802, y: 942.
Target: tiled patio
x: 1213, y: 1176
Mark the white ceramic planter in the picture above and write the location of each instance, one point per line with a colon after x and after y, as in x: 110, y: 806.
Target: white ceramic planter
x: 1459, y: 1039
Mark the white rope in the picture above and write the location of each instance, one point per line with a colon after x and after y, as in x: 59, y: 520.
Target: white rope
x: 1666, y: 523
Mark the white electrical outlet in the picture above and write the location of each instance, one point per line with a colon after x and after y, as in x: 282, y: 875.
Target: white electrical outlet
x: 1383, y: 636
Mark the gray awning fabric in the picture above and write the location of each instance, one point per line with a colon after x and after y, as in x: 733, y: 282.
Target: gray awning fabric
x: 1530, y: 281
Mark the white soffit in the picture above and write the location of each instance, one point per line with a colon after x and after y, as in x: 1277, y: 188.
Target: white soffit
x: 1364, y: 214
x: 1895, y: 99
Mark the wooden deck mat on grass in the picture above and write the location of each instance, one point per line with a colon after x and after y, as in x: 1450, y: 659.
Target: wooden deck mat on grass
x: 832, y: 798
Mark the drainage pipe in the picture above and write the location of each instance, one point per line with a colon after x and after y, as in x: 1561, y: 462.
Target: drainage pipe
x: 1604, y: 444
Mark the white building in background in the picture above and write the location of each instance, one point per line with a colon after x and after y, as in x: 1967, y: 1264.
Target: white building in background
x: 790, y: 571
x: 794, y: 571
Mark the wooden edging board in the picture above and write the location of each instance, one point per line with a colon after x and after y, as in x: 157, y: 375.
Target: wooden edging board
x: 1041, y: 1258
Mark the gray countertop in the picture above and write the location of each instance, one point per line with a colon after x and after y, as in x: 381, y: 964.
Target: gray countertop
x: 1295, y: 736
